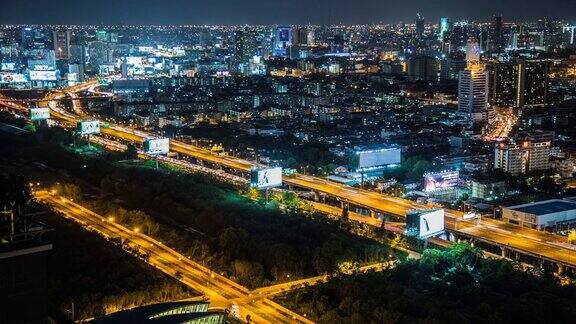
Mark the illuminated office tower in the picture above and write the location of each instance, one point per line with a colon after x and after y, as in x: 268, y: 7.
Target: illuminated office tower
x: 473, y: 87
x: 282, y: 39
x: 519, y: 84
x: 443, y: 29
x: 62, y: 44
x: 497, y: 34
x: 245, y: 48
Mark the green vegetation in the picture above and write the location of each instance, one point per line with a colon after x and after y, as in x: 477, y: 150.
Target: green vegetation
x: 201, y: 216
x: 455, y: 285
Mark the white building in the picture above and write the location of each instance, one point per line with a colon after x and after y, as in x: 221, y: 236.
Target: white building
x: 542, y: 214
x: 473, y: 95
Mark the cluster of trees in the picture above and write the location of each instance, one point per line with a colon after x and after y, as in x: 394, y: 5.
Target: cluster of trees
x: 456, y: 285
x: 102, y: 278
x: 213, y: 223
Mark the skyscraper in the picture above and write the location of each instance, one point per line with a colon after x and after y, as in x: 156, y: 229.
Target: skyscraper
x: 520, y: 83
x: 497, y: 34
x: 443, y: 29
x: 62, y: 44
x: 473, y: 87
x: 245, y: 48
x: 419, y: 25
x: 282, y: 39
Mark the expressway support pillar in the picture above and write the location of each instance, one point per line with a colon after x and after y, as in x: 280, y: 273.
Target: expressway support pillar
x: 504, y: 253
x: 560, y: 269
x: 372, y: 213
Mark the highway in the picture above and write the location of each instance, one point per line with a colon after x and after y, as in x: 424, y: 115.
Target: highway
x: 535, y: 243
x: 221, y: 291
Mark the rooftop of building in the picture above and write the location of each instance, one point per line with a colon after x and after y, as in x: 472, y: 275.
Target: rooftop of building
x: 164, y: 313
x: 546, y: 207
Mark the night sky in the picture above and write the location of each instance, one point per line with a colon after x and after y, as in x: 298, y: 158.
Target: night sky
x: 228, y: 12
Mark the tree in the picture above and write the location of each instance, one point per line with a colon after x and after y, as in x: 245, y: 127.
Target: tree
x: 131, y: 152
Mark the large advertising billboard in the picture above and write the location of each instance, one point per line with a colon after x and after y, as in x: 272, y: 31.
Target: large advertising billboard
x: 49, y: 75
x: 39, y: 114
x: 371, y: 159
x: 425, y: 223
x: 266, y: 178
x: 8, y: 77
x: 155, y: 146
x: 88, y: 127
x: 440, y: 180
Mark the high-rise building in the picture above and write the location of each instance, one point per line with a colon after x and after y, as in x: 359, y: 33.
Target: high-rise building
x: 497, y: 34
x: 282, y: 39
x: 522, y: 156
x: 28, y: 36
x: 518, y: 84
x: 473, y: 88
x: 419, y: 25
x: 423, y: 67
x: 300, y: 36
x: 78, y: 57
x: 444, y: 28
x: 62, y: 44
x: 246, y: 47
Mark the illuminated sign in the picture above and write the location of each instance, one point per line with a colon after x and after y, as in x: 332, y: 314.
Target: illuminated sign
x: 440, y: 180
x: 425, y: 223
x: 8, y: 66
x: 266, y: 178
x: 88, y: 127
x: 12, y: 78
x: 378, y: 158
x: 154, y: 146
x: 43, y: 75
x: 39, y: 113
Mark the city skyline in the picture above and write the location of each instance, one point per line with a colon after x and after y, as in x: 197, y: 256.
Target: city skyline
x: 255, y: 12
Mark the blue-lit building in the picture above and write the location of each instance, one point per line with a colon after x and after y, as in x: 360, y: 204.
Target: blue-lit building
x: 282, y: 40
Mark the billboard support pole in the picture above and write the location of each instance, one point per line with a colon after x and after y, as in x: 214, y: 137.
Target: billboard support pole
x: 156, y: 159
x: 266, y: 195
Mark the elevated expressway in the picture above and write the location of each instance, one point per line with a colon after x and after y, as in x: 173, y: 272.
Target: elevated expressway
x: 543, y: 246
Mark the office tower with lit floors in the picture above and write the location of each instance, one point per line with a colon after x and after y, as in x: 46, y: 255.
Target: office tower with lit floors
x: 473, y: 87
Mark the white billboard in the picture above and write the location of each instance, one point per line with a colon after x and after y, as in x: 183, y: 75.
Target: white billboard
x: 88, y: 127
x: 266, y: 178
x: 49, y: 75
x: 378, y: 158
x: 39, y: 113
x: 425, y: 223
x: 154, y: 146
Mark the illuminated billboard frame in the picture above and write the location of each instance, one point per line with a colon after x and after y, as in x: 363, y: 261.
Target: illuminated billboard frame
x: 266, y: 178
x: 156, y: 146
x: 39, y: 114
x: 425, y: 223
x: 440, y: 180
x: 88, y: 127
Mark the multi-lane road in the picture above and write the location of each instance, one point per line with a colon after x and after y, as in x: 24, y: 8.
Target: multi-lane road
x: 222, y: 292
x: 498, y: 233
